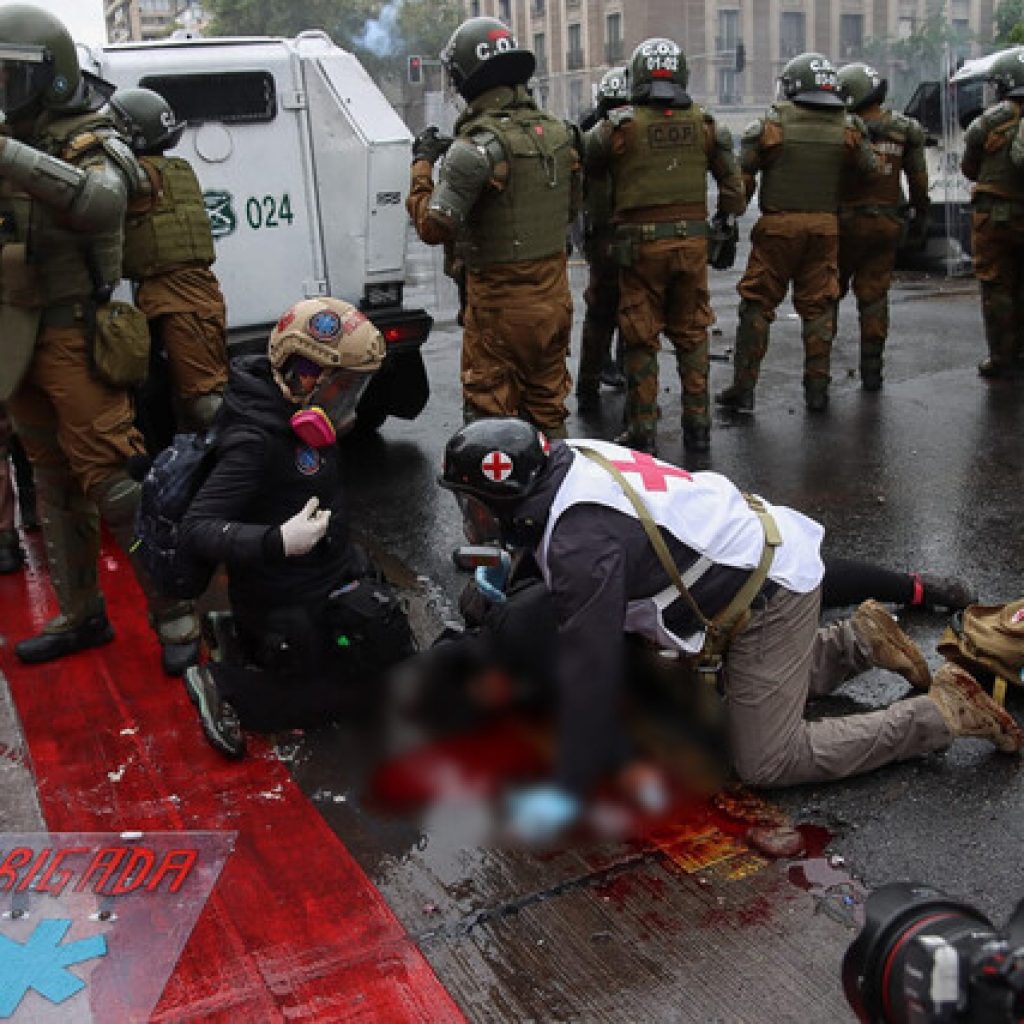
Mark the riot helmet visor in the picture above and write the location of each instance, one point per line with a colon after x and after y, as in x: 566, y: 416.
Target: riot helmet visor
x: 25, y: 74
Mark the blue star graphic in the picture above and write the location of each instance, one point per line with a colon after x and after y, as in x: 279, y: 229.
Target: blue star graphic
x: 42, y: 963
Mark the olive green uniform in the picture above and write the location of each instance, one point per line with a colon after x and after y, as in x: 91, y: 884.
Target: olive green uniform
x: 507, y: 190
x: 76, y: 429
x: 601, y: 295
x: 659, y: 158
x: 168, y: 252
x: 871, y: 224
x: 994, y: 159
x: 799, y: 151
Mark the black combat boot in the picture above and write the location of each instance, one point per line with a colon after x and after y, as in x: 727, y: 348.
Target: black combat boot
x: 59, y: 639
x: 11, y: 556
x: 639, y: 440
x: 816, y: 394
x: 218, y: 718
x: 736, y: 398
x: 696, y: 437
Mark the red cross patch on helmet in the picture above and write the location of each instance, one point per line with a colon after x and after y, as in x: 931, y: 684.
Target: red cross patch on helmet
x: 497, y: 466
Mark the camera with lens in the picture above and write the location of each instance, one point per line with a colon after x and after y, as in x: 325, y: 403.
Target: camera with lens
x: 923, y: 957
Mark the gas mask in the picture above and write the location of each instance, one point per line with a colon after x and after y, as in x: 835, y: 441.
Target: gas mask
x: 329, y: 411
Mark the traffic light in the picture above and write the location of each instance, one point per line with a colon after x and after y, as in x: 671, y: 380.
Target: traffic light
x: 741, y: 57
x: 415, y: 70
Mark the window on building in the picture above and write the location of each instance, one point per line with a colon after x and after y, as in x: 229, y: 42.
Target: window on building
x: 728, y: 86
x: 962, y: 31
x: 728, y: 30
x: 537, y: 8
x: 474, y: 8
x: 574, y: 55
x: 851, y: 35
x: 575, y: 99
x: 505, y: 11
x: 792, y: 38
x: 905, y: 27
x: 613, y: 48
x: 233, y: 97
x: 540, y: 51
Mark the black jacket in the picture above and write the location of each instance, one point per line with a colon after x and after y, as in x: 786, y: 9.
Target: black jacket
x: 263, y: 475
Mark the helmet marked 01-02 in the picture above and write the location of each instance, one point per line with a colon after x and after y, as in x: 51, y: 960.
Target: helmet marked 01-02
x: 147, y: 120
x: 658, y: 72
x: 1007, y: 74
x: 861, y: 85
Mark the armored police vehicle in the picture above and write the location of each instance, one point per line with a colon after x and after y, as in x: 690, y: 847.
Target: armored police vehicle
x: 945, y: 109
x: 304, y: 166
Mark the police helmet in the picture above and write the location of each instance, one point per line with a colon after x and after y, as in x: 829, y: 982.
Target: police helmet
x: 146, y: 119
x: 658, y: 73
x: 613, y: 89
x: 38, y: 62
x: 496, y: 460
x: 481, y: 54
x: 811, y: 79
x: 1007, y: 74
x: 861, y: 86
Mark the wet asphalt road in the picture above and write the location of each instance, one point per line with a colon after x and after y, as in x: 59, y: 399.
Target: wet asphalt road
x: 925, y: 475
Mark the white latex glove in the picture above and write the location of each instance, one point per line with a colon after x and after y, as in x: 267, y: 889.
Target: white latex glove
x: 301, y: 533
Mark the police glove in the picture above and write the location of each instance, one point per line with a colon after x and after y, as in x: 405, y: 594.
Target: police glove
x: 305, y: 529
x: 723, y: 241
x: 430, y: 145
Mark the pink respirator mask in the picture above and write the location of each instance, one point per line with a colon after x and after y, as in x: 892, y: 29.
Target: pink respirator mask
x: 330, y: 410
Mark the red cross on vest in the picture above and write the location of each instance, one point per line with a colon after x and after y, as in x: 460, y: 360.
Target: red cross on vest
x: 653, y: 474
x: 496, y: 466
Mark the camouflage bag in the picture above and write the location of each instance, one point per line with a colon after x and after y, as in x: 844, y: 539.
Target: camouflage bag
x: 120, y: 344
x: 988, y: 640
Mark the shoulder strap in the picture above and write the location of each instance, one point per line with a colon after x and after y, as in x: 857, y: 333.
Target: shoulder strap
x: 723, y: 625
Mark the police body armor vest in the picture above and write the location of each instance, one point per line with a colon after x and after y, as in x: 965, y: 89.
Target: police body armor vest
x: 804, y: 177
x: 888, y: 137
x: 67, y: 261
x: 714, y: 521
x: 526, y: 220
x: 667, y: 165
x: 171, y: 228
x: 997, y: 174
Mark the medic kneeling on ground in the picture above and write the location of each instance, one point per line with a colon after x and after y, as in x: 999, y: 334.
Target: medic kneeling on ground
x: 628, y: 544
x: 310, y: 620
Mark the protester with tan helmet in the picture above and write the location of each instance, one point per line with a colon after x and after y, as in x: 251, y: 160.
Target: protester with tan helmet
x: 274, y: 511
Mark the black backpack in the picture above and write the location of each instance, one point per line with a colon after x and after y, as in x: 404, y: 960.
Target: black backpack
x: 170, y: 485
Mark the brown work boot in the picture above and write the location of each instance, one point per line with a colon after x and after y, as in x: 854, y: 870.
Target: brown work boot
x: 970, y: 711
x: 888, y: 646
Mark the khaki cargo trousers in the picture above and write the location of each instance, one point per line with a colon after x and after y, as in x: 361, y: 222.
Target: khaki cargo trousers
x: 783, y: 658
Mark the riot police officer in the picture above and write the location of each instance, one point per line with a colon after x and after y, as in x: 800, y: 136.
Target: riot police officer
x: 65, y: 176
x: 168, y: 251
x: 799, y: 148
x: 871, y: 211
x: 659, y: 152
x: 602, y: 292
x: 994, y: 159
x: 508, y: 189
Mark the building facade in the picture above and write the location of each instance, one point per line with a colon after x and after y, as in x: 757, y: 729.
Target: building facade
x: 132, y: 20
x: 576, y: 41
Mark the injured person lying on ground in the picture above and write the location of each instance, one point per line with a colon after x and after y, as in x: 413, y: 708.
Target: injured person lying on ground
x: 627, y: 550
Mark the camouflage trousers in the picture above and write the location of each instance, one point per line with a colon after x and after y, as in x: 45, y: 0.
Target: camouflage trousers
x: 516, y: 342
x: 665, y: 290
x: 784, y: 251
x: 599, y: 321
x: 999, y: 265
x: 867, y: 257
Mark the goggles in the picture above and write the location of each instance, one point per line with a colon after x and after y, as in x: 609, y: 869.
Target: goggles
x: 25, y: 74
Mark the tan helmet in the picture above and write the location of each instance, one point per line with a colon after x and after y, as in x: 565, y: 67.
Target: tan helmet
x: 328, y: 332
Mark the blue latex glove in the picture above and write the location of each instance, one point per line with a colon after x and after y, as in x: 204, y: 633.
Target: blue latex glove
x: 491, y: 580
x: 540, y: 814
